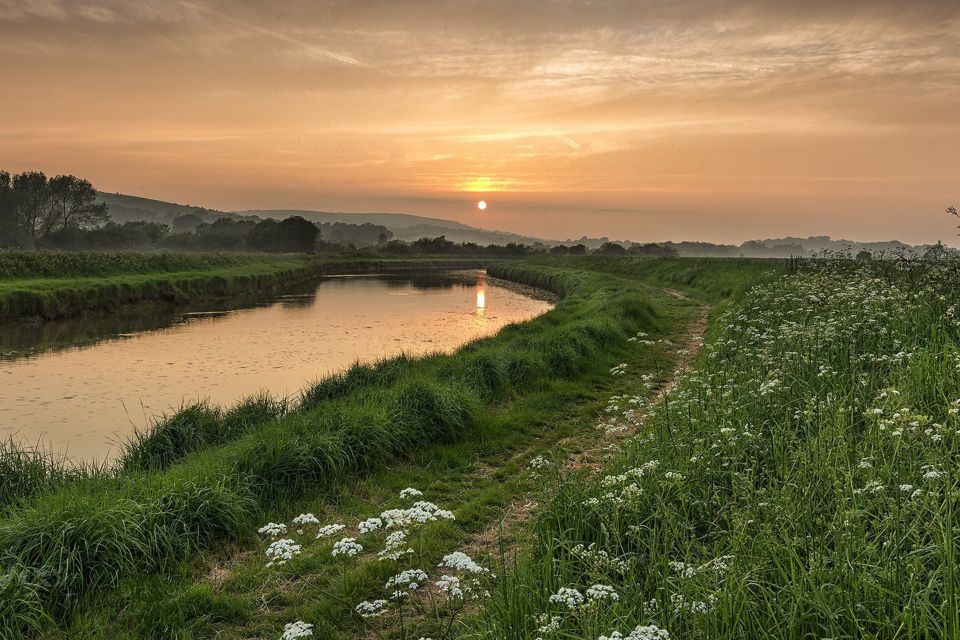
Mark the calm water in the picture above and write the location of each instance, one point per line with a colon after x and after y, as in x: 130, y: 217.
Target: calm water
x: 85, y: 400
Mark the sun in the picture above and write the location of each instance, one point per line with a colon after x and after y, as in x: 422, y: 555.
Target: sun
x: 482, y: 205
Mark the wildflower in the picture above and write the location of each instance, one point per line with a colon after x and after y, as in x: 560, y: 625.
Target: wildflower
x: 329, y: 530
x: 306, y: 518
x: 602, y: 592
x: 651, y: 632
x: 409, y: 492
x: 539, y: 463
x: 370, y: 524
x: 933, y: 475
x: 272, y: 529
x: 281, y: 551
x: 906, y: 488
x: 451, y: 585
x: 572, y: 598
x: 346, y: 547
x: 411, y: 579
x: 298, y: 629
x: 461, y: 561
x: 548, y: 624
x: 371, y: 608
x: 394, y: 547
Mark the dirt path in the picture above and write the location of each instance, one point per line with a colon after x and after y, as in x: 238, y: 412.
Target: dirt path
x: 593, y: 445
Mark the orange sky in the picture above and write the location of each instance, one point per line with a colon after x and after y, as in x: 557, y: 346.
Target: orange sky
x: 639, y: 119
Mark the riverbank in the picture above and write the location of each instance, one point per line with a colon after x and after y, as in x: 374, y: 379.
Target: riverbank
x: 69, y: 285
x: 491, y: 394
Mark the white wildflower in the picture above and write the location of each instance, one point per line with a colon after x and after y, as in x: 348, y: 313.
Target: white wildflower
x: 572, y: 598
x: 298, y: 629
x: 371, y: 608
x: 602, y: 592
x: 329, y: 530
x: 461, y: 561
x: 281, y: 551
x: 272, y: 529
x: 370, y: 524
x: 346, y: 547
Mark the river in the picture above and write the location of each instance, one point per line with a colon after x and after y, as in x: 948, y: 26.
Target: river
x: 84, y: 391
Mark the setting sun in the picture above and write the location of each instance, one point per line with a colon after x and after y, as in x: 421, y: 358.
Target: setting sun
x: 482, y: 205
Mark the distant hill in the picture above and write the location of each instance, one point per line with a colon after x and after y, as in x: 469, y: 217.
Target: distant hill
x: 404, y: 226
x: 124, y: 208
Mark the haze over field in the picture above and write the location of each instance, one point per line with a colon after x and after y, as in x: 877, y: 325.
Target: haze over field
x: 648, y: 120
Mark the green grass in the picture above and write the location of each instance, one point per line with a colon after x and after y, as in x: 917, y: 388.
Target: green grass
x: 199, y: 483
x: 800, y: 483
x: 21, y: 264
x: 477, y: 473
x: 47, y: 285
x: 95, y: 532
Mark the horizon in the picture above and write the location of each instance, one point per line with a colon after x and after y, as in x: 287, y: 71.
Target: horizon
x: 644, y: 121
x: 956, y: 238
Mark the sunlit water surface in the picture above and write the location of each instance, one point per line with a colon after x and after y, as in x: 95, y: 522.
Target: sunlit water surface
x: 86, y: 400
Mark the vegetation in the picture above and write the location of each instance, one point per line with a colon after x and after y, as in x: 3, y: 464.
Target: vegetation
x: 53, y: 284
x: 801, y: 482
x: 34, y: 207
x: 195, y: 485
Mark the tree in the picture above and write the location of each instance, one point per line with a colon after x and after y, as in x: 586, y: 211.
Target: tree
x: 291, y: 235
x: 33, y: 199
x: 8, y: 211
x: 610, y: 249
x: 72, y: 205
x: 186, y: 223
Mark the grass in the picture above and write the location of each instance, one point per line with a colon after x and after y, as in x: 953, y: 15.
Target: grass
x: 94, y: 532
x: 52, y: 284
x: 800, y: 483
x: 478, y: 472
x: 198, y: 483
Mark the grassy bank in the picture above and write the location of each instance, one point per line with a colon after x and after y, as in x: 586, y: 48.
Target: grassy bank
x: 95, y: 532
x: 47, y: 285
x: 801, y: 483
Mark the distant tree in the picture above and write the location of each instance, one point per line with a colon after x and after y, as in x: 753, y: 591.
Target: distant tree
x: 297, y: 234
x: 610, y: 249
x: 33, y: 200
x: 8, y: 211
x: 73, y: 205
x: 864, y: 255
x: 263, y: 235
x: 578, y: 250
x: 440, y: 244
x: 652, y: 249
x: 186, y: 223
x: 952, y: 211
x: 560, y: 250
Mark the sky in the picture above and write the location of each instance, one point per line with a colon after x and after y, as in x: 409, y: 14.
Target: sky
x: 647, y: 120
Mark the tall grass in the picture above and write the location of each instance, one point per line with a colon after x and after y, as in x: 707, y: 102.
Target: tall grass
x: 28, y: 471
x: 800, y: 483
x: 196, y: 479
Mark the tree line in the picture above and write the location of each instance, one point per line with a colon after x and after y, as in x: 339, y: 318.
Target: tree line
x: 34, y: 207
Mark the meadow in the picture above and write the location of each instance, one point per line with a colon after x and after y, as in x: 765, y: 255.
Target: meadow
x: 799, y: 482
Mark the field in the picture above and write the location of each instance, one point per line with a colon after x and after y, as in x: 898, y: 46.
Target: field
x: 51, y: 284
x: 680, y: 449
